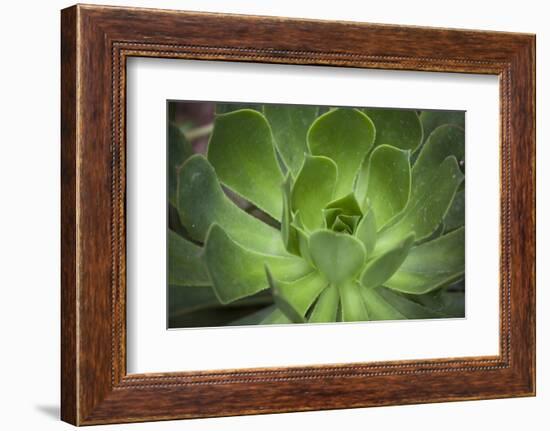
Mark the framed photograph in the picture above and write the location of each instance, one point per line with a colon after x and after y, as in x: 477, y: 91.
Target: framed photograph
x: 265, y: 215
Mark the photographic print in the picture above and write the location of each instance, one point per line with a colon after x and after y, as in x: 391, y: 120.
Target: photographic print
x: 289, y: 214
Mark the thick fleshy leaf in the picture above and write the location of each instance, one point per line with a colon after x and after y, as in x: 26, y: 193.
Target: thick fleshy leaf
x: 185, y: 264
x: 303, y: 239
x: 382, y: 267
x: 295, y: 298
x: 290, y: 124
x: 242, y: 153
x: 192, y: 307
x: 313, y: 189
x: 345, y: 136
x: 388, y: 182
x: 408, y: 308
x: 340, y: 226
x: 326, y: 307
x: 236, y: 272
x: 179, y: 150
x: 432, y: 119
x: 276, y: 317
x: 351, y: 300
x: 378, y: 308
x: 426, y: 208
x: 347, y: 204
x: 338, y: 256
x: 186, y: 299
x: 445, y: 141
x: 224, y: 108
x: 288, y: 231
x: 351, y: 221
x: 366, y: 231
x: 456, y: 213
x: 399, y: 128
x: 202, y: 202
x: 431, y: 265
x: 254, y: 318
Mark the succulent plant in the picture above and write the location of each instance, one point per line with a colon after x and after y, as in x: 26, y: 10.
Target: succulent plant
x: 357, y: 214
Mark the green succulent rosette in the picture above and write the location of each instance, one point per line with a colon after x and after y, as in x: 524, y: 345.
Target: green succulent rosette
x: 359, y: 215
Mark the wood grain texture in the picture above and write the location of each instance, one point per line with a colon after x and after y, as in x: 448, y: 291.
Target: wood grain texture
x: 96, y: 42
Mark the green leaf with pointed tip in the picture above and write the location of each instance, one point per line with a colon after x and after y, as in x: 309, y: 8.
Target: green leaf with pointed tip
x: 399, y: 128
x: 455, y: 215
x: 179, y: 150
x: 432, y: 119
x: 185, y: 264
x: 295, y: 298
x: 202, y: 202
x: 408, y: 308
x: 329, y: 216
x: 431, y: 265
x: 242, y: 153
x: 366, y: 231
x: 326, y: 307
x: 378, y: 308
x: 276, y: 317
x: 288, y: 231
x: 340, y: 226
x: 388, y: 183
x: 445, y: 141
x: 348, y: 204
x: 290, y: 125
x: 426, y: 208
x: 338, y: 256
x: 236, y: 272
x: 345, y: 136
x: 351, y: 300
x: 351, y: 221
x: 382, y: 267
x: 313, y: 189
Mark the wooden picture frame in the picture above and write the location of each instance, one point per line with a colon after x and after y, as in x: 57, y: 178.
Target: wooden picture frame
x: 96, y: 41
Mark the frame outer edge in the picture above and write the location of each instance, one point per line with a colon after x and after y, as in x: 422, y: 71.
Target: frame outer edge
x: 90, y: 394
x: 69, y: 197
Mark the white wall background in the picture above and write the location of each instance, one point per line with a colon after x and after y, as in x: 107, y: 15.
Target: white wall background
x: 29, y: 215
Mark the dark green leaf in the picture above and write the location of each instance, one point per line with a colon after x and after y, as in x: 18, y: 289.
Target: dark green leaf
x: 236, y: 272
x: 445, y: 141
x: 382, y: 267
x: 399, y: 128
x: 431, y: 265
x: 224, y: 108
x: 455, y: 215
x: 185, y: 264
x: 179, y: 150
x: 242, y: 153
x: 290, y: 124
x: 378, y: 308
x: 432, y: 119
x: 426, y: 208
x: 408, y: 308
x: 202, y: 202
